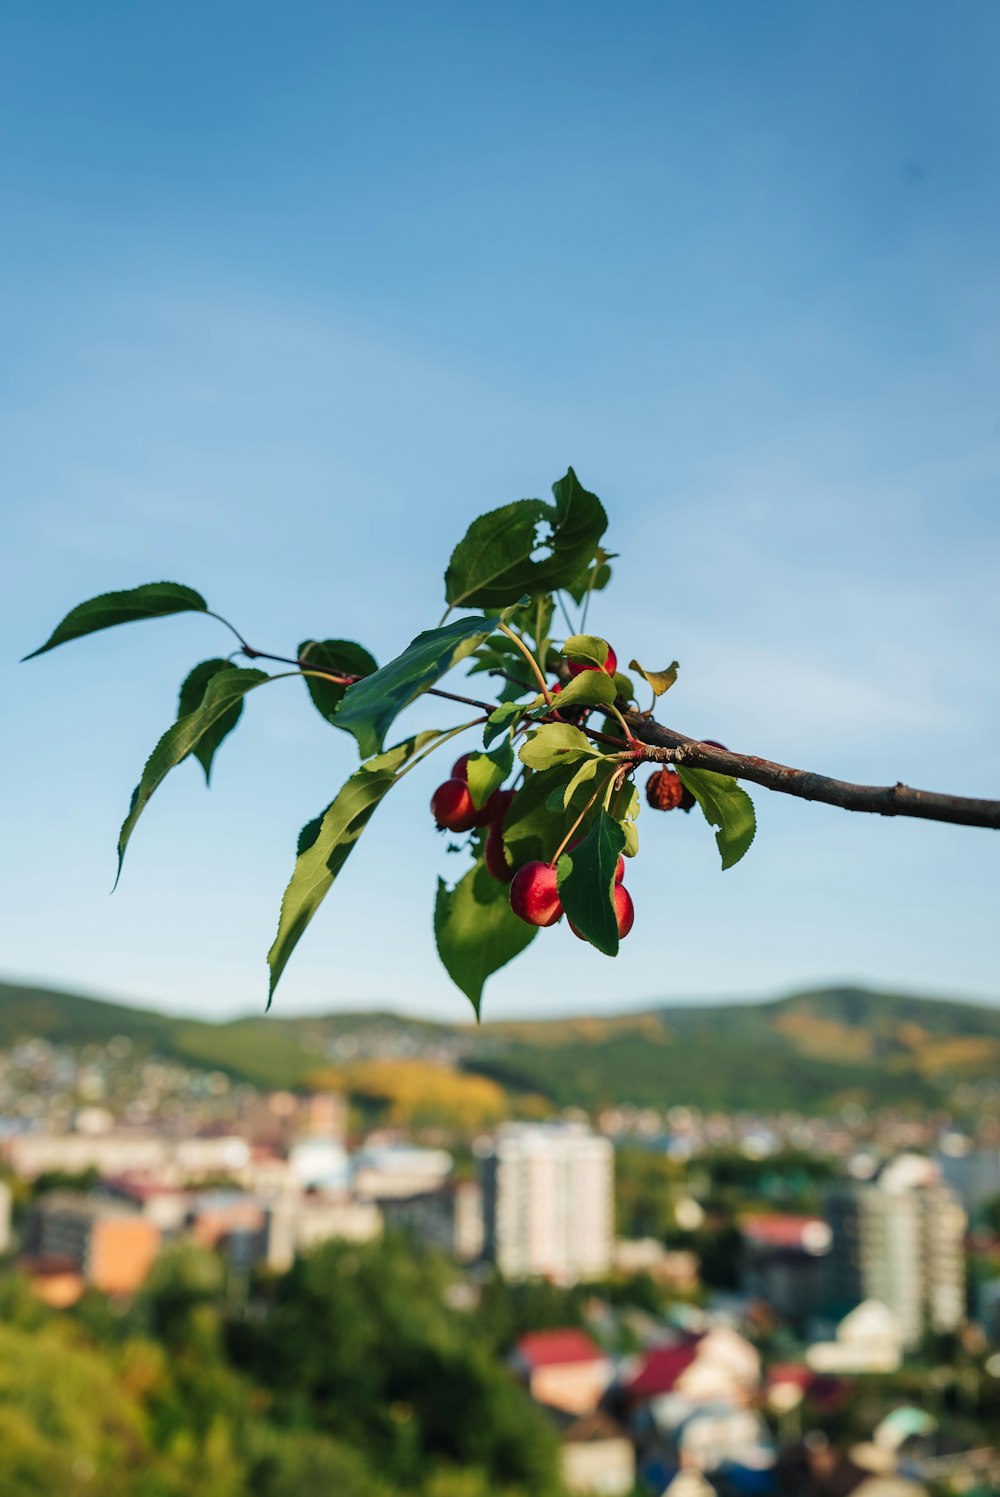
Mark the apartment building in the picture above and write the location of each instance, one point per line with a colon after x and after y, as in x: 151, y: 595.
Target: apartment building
x: 899, y: 1240
x: 548, y: 1201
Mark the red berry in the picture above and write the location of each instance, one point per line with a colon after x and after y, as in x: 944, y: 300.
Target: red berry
x: 460, y: 768
x: 610, y: 665
x: 498, y: 805
x: 664, y: 790
x: 452, y: 808
x: 712, y: 743
x: 624, y: 911
x: 495, y: 854
x: 534, y: 897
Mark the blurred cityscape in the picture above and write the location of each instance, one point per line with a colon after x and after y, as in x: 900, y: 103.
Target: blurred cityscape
x: 691, y: 1302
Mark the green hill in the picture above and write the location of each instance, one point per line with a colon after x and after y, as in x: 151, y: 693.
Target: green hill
x: 808, y: 1052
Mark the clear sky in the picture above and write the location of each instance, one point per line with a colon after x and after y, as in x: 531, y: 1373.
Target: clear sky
x: 291, y: 292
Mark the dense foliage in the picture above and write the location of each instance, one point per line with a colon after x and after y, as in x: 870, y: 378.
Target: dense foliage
x: 349, y: 1375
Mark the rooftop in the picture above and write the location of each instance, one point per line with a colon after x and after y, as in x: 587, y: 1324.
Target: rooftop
x: 558, y: 1348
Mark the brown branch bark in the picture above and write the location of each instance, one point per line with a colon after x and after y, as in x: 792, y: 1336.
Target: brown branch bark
x: 664, y: 745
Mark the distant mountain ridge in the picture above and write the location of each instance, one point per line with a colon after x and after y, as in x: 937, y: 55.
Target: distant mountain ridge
x: 809, y: 1051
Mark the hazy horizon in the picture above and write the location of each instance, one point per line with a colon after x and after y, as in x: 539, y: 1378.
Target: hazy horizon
x: 419, y: 1009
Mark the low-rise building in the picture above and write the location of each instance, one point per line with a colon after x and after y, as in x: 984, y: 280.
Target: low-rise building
x: 449, y: 1219
x: 564, y: 1369
x: 294, y: 1224
x: 869, y: 1339
x: 596, y: 1454
x: 785, y: 1262
x: 383, y: 1170
x: 108, y: 1242
x: 674, y: 1268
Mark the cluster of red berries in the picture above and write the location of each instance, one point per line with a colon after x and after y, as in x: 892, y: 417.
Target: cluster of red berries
x: 534, y: 894
x: 534, y: 897
x: 453, y: 809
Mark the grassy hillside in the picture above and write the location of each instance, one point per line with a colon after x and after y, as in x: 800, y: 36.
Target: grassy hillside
x: 811, y: 1051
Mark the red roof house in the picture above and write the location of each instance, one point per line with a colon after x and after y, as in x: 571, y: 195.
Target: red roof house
x: 564, y: 1369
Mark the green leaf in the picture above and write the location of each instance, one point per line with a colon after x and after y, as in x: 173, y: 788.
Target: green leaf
x: 476, y: 931
x: 624, y: 806
x: 560, y: 797
x: 500, y: 720
x: 191, y: 696
x: 531, y: 830
x: 588, y: 689
x: 342, y: 656
x: 496, y: 561
x: 631, y: 839
x: 326, y: 842
x: 726, y: 806
x: 624, y: 686
x: 487, y: 772
x: 534, y: 827
x: 221, y: 695
x: 370, y: 706
x: 150, y: 601
x: 555, y: 743
x: 660, y: 681
x: 586, y: 649
x: 586, y: 883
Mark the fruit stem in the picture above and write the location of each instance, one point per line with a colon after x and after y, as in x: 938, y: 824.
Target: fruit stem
x: 568, y: 837
x: 543, y: 688
x: 629, y: 736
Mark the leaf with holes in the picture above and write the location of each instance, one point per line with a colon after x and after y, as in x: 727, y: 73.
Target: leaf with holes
x: 593, y: 578
x: 153, y: 600
x: 727, y: 806
x: 496, y: 561
x: 586, y: 883
x: 341, y: 656
x: 326, y: 843
x: 370, y: 706
x: 191, y: 696
x: 476, y: 931
x: 221, y: 694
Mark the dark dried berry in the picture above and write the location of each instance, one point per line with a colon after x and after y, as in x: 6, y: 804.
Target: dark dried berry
x: 687, y: 800
x: 664, y: 790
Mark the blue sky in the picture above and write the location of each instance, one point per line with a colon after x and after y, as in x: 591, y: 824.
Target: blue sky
x: 291, y: 293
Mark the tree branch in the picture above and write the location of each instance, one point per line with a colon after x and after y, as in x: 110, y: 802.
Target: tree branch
x: 663, y: 745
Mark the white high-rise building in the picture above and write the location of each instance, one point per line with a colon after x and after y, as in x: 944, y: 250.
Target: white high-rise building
x: 899, y: 1240
x: 548, y: 1201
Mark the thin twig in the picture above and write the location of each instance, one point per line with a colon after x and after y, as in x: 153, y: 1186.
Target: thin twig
x: 542, y: 684
x: 663, y: 745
